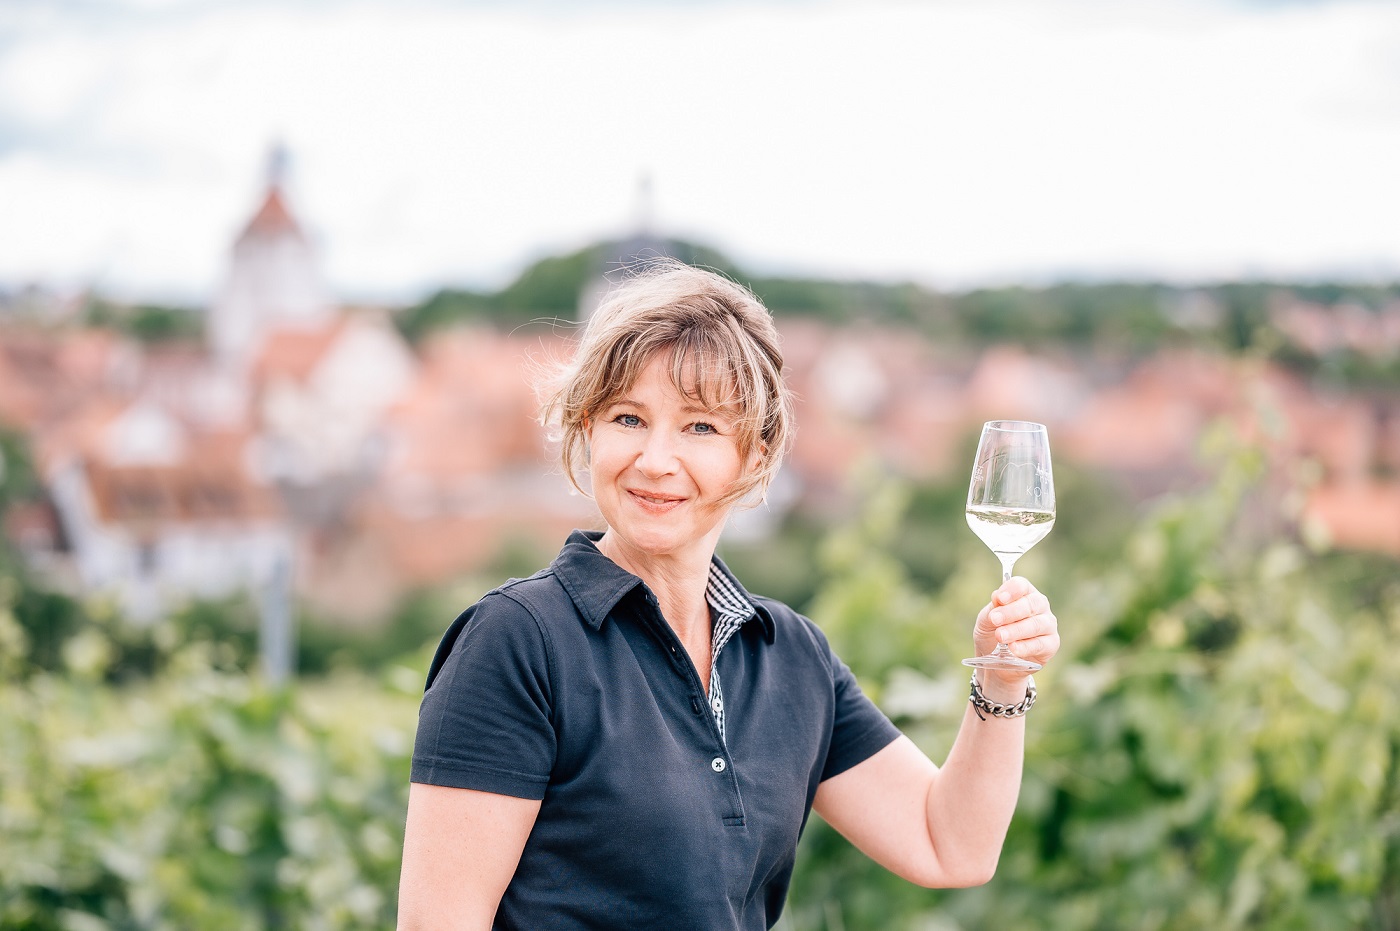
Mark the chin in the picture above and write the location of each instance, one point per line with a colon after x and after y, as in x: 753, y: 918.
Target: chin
x: 661, y: 540
x: 657, y: 543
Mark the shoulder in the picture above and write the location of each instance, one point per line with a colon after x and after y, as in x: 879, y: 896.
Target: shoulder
x: 510, y: 621
x: 542, y: 595
x: 539, y: 600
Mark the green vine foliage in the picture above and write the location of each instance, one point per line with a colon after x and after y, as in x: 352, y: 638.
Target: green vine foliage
x: 202, y: 799
x: 1215, y: 746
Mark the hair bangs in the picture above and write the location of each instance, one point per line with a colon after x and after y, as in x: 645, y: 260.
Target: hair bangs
x: 701, y: 373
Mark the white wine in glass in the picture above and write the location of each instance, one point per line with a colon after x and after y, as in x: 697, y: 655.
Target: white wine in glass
x: 1010, y: 505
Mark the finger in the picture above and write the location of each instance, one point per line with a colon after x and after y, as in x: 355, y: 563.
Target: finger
x: 984, y: 623
x: 1012, y: 589
x: 1000, y: 616
x: 1038, y: 625
x: 1029, y: 606
x: 1040, y: 649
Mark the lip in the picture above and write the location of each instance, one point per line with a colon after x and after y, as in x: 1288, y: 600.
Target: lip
x: 653, y: 501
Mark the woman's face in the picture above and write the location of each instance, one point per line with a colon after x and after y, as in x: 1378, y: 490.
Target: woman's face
x: 660, y: 463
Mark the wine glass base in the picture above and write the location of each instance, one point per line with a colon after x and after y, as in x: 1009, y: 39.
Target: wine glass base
x: 991, y: 661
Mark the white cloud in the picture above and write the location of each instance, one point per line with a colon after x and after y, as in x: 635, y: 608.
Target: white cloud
x: 950, y: 142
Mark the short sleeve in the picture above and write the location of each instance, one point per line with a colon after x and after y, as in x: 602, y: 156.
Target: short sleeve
x: 485, y: 722
x: 860, y: 730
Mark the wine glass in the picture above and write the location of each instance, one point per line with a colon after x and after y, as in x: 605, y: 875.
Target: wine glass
x: 1010, y: 505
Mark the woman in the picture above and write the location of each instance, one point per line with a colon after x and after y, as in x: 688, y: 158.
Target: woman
x: 629, y: 739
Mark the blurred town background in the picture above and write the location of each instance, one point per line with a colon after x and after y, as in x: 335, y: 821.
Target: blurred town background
x: 233, y: 527
x: 174, y: 453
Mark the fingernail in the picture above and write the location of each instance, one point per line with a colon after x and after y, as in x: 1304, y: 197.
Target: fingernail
x: 995, y: 617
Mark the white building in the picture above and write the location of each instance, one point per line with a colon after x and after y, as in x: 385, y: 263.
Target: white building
x: 155, y: 513
x: 192, y: 481
x: 273, y: 281
x: 320, y: 397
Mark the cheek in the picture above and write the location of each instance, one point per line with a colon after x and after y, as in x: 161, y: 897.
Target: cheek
x: 609, y: 454
x: 747, y: 465
x: 727, y: 464
x: 600, y: 459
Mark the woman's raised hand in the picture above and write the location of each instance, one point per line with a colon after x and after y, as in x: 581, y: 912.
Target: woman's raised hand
x: 1019, y: 616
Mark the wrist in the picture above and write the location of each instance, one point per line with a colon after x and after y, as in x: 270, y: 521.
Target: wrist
x: 996, y: 706
x: 1003, y: 686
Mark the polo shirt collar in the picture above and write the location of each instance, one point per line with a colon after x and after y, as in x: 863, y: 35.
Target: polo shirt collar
x: 596, y: 583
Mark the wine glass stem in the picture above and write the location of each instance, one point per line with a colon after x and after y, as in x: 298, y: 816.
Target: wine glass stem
x: 1003, y: 651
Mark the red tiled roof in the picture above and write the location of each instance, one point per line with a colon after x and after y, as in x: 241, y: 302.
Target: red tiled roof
x: 78, y: 433
x: 273, y: 218
x: 1358, y: 515
x: 472, y: 409
x: 20, y: 402
x: 210, y: 488
x: 294, y: 352
x: 45, y: 375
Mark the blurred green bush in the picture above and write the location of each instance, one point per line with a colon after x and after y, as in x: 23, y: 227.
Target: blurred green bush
x: 1215, y: 747
x: 201, y: 799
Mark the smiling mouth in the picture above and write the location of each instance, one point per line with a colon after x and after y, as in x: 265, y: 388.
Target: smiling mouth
x: 655, y: 502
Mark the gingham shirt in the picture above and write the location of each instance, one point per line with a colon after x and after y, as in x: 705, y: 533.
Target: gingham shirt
x: 730, y: 610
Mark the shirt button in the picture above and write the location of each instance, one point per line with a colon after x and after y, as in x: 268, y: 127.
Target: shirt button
x: 717, y: 764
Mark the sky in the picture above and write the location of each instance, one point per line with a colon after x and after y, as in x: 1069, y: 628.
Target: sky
x: 950, y: 142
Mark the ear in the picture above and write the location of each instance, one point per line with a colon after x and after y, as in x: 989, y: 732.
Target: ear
x: 756, y: 460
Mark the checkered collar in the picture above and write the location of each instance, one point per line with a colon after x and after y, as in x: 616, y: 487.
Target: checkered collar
x: 596, y: 584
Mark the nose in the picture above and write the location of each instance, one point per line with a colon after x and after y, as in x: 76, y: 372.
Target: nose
x: 657, y: 455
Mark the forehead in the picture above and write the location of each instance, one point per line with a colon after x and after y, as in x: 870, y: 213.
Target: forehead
x: 690, y: 379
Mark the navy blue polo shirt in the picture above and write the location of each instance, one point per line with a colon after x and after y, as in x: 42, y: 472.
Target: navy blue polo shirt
x: 569, y: 687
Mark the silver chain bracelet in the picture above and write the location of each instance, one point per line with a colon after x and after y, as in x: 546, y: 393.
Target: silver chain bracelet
x: 981, y: 703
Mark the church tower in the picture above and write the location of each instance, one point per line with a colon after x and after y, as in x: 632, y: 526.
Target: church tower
x: 273, y: 280
x: 616, y: 258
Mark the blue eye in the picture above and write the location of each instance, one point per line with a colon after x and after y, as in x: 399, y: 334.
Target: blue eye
x: 704, y: 428
x: 628, y: 420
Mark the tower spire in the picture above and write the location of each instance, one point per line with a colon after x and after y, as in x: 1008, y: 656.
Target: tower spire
x: 277, y: 165
x: 273, y: 281
x: 644, y: 208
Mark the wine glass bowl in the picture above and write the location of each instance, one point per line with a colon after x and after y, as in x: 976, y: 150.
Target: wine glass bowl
x: 1010, y: 505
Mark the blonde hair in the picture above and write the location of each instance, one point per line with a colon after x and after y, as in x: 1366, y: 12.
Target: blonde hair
x: 723, y: 353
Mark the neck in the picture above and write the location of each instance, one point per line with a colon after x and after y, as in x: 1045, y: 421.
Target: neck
x: 678, y: 581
